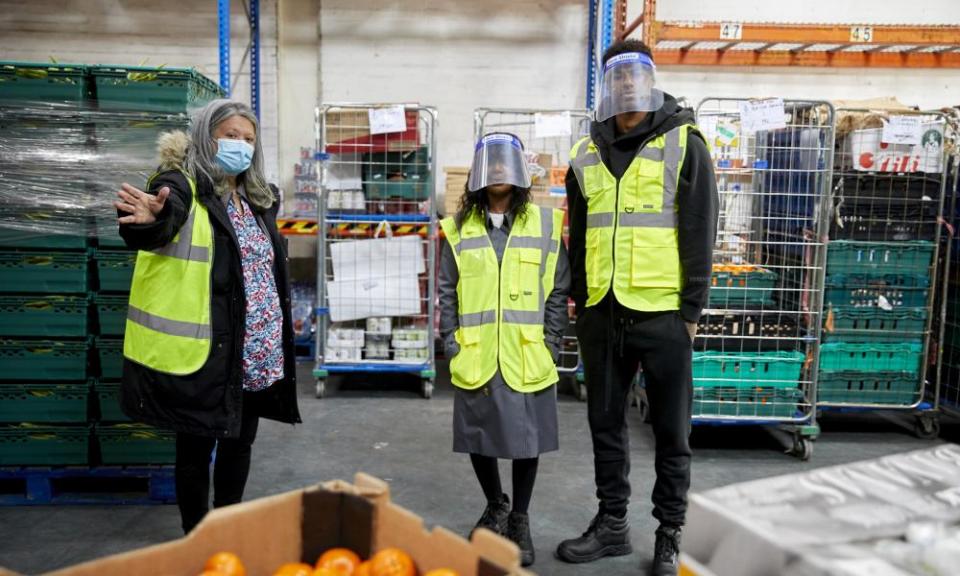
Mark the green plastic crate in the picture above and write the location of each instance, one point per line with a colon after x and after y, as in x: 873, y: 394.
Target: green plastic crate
x: 39, y: 82
x: 108, y: 399
x: 44, y: 402
x: 895, y: 388
x: 110, y: 354
x: 762, y: 402
x: 404, y: 175
x: 872, y: 357
x: 747, y: 369
x: 135, y: 444
x: 44, y: 316
x: 112, y: 313
x: 43, y: 272
x: 739, y: 289
x: 27, y: 360
x: 876, y: 325
x: 13, y: 238
x: 403, y: 189
x: 864, y: 290
x: 151, y: 89
x: 848, y: 257
x: 115, y: 269
x: 40, y: 445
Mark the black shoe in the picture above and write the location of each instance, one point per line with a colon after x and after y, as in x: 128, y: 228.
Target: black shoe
x: 494, y: 516
x: 666, y: 552
x: 606, y: 536
x: 518, y: 531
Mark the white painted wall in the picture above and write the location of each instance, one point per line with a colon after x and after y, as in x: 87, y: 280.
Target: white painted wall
x: 177, y: 33
x: 926, y: 88
x: 456, y: 55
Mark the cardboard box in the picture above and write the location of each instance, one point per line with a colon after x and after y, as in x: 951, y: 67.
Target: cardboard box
x: 347, y: 131
x: 302, y: 524
x: 456, y: 181
x: 864, y: 152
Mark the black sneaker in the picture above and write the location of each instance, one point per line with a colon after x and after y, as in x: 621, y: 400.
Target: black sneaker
x: 666, y: 552
x: 518, y: 531
x: 606, y: 536
x: 494, y: 516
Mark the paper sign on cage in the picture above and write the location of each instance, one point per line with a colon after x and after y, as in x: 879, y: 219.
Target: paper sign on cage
x: 757, y: 115
x: 359, y: 298
x: 549, y: 125
x: 378, y: 258
x: 387, y: 120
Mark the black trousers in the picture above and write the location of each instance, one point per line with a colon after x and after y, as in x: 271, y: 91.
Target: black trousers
x: 613, y: 342
x: 230, y: 470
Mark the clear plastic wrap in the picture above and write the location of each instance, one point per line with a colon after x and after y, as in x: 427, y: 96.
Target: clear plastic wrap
x: 62, y: 164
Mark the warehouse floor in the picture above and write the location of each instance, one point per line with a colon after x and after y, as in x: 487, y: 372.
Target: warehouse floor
x: 390, y: 432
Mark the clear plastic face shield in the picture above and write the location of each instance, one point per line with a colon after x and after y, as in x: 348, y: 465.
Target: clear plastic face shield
x: 628, y: 86
x: 498, y: 159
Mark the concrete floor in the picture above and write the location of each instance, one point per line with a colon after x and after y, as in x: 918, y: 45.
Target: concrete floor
x: 384, y: 428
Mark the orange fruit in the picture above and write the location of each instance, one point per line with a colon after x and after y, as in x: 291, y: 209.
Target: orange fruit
x: 363, y: 569
x: 294, y: 569
x: 324, y: 571
x: 392, y: 562
x: 227, y: 563
x: 212, y: 573
x: 341, y: 561
x: 442, y: 572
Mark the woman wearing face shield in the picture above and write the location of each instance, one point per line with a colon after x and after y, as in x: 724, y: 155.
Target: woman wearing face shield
x: 503, y: 290
x: 208, y: 346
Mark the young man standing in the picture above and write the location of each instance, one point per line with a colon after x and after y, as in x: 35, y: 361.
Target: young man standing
x: 643, y: 215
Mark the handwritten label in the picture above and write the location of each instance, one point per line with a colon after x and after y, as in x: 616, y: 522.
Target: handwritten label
x: 549, y: 125
x: 387, y: 120
x: 757, y: 115
x: 902, y: 130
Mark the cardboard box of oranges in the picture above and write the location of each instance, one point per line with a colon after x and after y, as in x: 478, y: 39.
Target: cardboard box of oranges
x: 296, y: 529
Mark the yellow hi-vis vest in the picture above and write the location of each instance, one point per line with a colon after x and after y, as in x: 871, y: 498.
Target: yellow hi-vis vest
x: 501, y: 325
x: 631, y: 239
x: 168, y: 319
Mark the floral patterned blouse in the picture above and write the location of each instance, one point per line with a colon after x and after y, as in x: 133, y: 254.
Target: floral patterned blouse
x: 263, y: 340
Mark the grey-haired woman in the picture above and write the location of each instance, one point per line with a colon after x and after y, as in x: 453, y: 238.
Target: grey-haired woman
x: 208, y: 240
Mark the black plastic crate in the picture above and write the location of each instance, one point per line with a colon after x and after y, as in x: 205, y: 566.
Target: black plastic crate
x: 749, y: 332
x: 885, y: 207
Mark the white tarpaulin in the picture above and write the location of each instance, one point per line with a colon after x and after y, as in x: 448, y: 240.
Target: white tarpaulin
x: 826, y: 521
x: 376, y: 277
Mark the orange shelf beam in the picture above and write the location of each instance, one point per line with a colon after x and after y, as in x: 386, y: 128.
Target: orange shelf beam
x: 810, y: 59
x: 817, y: 45
x: 810, y: 33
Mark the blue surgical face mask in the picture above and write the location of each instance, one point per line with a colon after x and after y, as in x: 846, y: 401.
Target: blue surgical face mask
x: 234, y: 156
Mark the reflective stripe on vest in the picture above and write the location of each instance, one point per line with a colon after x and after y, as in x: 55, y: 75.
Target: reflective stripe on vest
x: 503, y: 328
x: 631, y: 236
x: 168, y: 319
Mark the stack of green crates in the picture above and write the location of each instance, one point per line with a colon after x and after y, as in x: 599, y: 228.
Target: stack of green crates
x: 401, y: 176
x: 875, y: 309
x: 747, y: 384
x: 44, y: 349
x: 739, y: 287
x: 63, y: 299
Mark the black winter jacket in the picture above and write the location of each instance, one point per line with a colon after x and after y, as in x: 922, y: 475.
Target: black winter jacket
x: 697, y: 204
x: 209, y: 401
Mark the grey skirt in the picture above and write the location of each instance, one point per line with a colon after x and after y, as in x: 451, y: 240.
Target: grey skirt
x: 497, y: 421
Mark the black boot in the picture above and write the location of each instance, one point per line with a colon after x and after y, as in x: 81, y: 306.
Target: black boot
x: 606, y: 536
x: 666, y: 552
x: 494, y: 516
x: 518, y: 531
